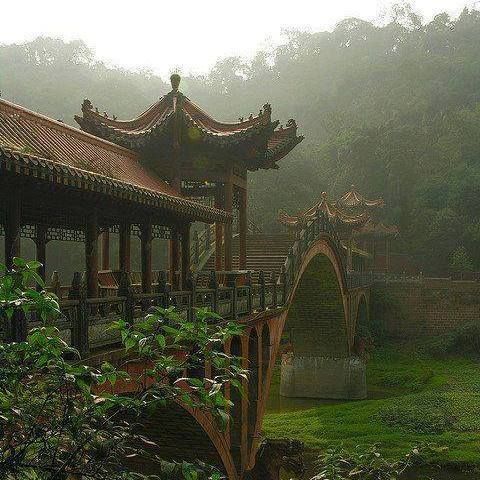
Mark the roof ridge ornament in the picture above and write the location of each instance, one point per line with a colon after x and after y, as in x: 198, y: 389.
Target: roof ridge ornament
x: 175, y: 81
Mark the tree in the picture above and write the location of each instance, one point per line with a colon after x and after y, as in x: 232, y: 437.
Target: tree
x: 57, y: 417
x: 460, y: 261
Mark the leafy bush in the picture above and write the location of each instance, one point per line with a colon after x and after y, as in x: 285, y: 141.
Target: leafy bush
x: 428, y: 413
x: 463, y: 340
x: 59, y: 419
x: 364, y: 463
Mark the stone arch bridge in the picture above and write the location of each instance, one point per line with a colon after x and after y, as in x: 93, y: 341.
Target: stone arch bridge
x: 307, y: 317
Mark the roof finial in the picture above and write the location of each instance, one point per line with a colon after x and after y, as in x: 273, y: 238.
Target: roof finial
x: 175, y: 81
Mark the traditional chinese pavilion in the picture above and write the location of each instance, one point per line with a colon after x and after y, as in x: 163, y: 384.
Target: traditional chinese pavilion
x: 198, y: 156
x: 355, y: 219
x: 139, y: 177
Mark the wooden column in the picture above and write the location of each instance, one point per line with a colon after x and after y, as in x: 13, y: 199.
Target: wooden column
x: 218, y: 234
x: 185, y: 233
x: 228, y: 192
x: 12, y: 228
x: 106, y: 250
x: 41, y: 244
x: 17, y: 326
x: 124, y: 247
x: 174, y: 257
x: 91, y: 255
x: 243, y: 229
x: 146, y: 252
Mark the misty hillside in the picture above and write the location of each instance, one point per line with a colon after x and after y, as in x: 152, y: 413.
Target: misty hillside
x: 394, y: 109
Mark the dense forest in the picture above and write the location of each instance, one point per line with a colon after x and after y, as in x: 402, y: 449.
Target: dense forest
x: 394, y: 108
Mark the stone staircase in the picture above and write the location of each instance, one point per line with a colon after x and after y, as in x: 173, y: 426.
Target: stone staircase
x: 266, y: 252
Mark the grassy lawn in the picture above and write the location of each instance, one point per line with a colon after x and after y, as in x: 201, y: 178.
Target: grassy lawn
x: 415, y: 399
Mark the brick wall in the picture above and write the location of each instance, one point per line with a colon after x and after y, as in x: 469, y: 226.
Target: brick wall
x: 429, y: 307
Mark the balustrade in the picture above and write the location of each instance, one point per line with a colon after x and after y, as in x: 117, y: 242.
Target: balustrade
x: 232, y: 295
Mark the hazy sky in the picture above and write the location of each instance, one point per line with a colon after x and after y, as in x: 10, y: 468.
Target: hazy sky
x: 190, y: 34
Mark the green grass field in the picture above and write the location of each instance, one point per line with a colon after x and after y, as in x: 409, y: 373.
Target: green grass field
x: 415, y: 399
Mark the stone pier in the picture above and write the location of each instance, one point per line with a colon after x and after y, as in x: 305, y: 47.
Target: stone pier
x: 322, y: 377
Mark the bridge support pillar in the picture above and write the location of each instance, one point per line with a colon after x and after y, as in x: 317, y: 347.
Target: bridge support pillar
x: 322, y: 377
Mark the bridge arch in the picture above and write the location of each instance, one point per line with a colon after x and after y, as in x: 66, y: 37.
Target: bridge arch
x: 317, y: 317
x: 181, y: 433
x: 253, y: 391
x: 318, y: 326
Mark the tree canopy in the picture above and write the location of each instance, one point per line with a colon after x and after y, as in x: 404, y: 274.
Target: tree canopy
x: 394, y: 108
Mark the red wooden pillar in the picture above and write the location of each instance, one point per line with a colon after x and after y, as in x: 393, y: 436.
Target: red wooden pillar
x: 185, y: 233
x: 174, y: 257
x: 41, y: 244
x: 146, y: 253
x: 228, y: 226
x: 106, y: 250
x: 91, y: 255
x: 124, y: 247
x: 17, y: 325
x: 218, y: 234
x: 243, y: 227
x: 12, y: 228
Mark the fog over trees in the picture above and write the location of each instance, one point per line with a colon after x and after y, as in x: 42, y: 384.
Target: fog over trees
x: 394, y: 109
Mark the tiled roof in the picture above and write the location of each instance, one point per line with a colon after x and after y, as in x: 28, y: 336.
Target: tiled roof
x: 175, y: 111
x: 372, y: 228
x: 32, y: 142
x: 329, y: 209
x: 354, y: 199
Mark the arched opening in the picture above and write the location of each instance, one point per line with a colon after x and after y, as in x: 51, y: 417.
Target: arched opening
x: 316, y: 322
x: 253, y: 364
x: 266, y: 352
x: 236, y: 410
x: 177, y: 436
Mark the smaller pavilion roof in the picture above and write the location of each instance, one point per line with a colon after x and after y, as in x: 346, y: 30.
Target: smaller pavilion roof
x: 330, y: 209
x: 175, y: 119
x: 33, y: 144
x: 375, y: 229
x: 354, y: 199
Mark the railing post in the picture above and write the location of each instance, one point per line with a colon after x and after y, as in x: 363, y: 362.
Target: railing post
x: 55, y: 284
x: 232, y: 283
x: 273, y: 280
x: 248, y: 283
x: 80, y: 323
x: 261, y: 282
x: 213, y: 285
x: 191, y: 285
x: 162, y: 288
x: 125, y: 290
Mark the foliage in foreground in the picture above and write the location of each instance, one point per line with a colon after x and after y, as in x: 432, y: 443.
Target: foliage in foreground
x: 58, y: 417
x: 364, y: 464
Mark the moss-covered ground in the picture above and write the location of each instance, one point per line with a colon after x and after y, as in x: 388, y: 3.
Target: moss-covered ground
x: 414, y: 399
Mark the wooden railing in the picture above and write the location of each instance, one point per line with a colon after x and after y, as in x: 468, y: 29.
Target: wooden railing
x: 233, y: 295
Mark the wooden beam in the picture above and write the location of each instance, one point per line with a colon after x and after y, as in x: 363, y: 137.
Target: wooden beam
x: 218, y: 235
x: 41, y: 244
x: 124, y: 247
x: 228, y: 192
x: 243, y: 227
x: 13, y: 225
x: 106, y: 250
x: 91, y: 254
x: 174, y: 257
x: 185, y: 233
x: 146, y: 253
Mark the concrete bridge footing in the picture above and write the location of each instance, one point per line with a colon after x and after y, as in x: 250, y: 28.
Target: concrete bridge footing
x: 322, y: 377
